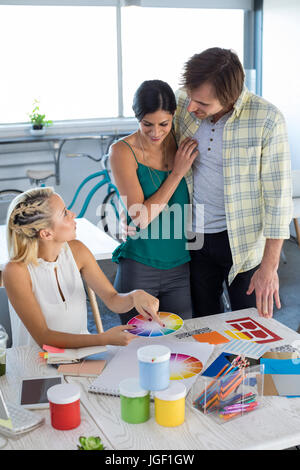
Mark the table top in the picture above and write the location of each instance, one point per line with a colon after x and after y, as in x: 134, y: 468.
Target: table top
x: 99, y: 243
x: 276, y: 425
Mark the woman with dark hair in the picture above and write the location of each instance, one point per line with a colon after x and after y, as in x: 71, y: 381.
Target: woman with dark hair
x: 149, y: 172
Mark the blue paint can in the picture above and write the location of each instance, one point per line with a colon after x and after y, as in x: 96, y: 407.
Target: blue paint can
x: 154, y: 367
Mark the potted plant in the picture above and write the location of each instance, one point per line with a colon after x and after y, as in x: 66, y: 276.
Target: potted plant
x: 38, y: 120
x: 90, y: 443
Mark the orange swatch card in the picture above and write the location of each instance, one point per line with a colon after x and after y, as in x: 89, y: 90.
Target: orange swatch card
x: 212, y: 337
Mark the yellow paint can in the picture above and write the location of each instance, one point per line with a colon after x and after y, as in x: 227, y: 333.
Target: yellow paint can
x: 170, y: 405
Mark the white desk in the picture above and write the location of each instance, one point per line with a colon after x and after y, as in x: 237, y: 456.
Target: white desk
x: 274, y: 426
x: 98, y: 242
x: 23, y: 361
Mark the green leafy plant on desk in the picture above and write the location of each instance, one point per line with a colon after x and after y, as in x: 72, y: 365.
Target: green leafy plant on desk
x: 90, y: 443
x: 38, y: 120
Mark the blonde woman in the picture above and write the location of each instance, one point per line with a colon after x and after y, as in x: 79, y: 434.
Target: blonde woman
x: 43, y: 278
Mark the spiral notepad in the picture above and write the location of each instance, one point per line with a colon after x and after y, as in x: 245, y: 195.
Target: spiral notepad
x: 187, y: 361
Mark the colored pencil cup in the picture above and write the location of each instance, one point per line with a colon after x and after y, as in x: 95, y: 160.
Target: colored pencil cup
x: 64, y: 400
x: 154, y: 367
x: 170, y: 405
x: 231, y: 394
x: 135, y: 401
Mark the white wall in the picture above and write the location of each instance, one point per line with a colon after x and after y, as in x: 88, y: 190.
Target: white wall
x: 281, y: 65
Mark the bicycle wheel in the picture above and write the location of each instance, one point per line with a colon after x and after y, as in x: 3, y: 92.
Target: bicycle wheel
x: 109, y: 215
x: 6, y: 196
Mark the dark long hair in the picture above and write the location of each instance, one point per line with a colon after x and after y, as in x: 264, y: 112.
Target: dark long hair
x: 151, y: 96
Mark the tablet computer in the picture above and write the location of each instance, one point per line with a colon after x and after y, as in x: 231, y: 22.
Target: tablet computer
x: 33, y: 391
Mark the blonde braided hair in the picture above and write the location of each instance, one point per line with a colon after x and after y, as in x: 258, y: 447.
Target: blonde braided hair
x: 28, y: 213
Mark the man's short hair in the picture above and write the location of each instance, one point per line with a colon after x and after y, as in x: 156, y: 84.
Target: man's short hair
x: 219, y: 67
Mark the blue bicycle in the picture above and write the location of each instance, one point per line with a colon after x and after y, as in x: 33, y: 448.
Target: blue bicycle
x: 109, y: 209
x: 112, y: 203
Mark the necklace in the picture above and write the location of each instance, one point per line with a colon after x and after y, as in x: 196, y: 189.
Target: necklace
x: 152, y: 171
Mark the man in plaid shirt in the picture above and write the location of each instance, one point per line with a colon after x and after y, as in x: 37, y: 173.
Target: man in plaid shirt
x: 242, y: 177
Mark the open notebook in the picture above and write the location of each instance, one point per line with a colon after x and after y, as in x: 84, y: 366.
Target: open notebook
x: 188, y: 359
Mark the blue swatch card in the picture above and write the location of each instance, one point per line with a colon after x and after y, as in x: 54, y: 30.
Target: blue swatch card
x: 281, y: 366
x: 222, y: 360
x: 217, y: 365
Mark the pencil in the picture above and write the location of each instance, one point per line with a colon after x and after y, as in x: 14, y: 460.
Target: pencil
x: 209, y: 403
x: 231, y: 385
x: 235, y: 384
x: 213, y: 382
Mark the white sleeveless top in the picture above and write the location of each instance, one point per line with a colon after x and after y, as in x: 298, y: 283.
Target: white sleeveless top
x: 67, y: 316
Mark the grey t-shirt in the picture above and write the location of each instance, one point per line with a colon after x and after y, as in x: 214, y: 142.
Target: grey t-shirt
x: 208, y: 195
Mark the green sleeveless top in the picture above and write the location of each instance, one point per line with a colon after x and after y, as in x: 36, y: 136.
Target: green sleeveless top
x: 162, y: 243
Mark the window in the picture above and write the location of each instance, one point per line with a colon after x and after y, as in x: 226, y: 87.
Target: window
x: 156, y: 42
x: 84, y: 60
x: 63, y: 56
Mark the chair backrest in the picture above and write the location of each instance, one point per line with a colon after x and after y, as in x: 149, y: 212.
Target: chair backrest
x: 4, y: 315
x: 95, y: 309
x: 296, y: 183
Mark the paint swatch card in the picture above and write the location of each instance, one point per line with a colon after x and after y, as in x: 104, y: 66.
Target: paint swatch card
x: 248, y: 329
x: 248, y: 337
x: 218, y: 364
x: 287, y: 385
x: 222, y: 360
x: 247, y: 348
x: 187, y: 334
x: 281, y: 366
x: 286, y: 348
x: 83, y: 369
x: 212, y: 337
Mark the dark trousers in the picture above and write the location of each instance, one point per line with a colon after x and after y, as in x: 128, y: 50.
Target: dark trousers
x: 209, y: 269
x: 170, y: 286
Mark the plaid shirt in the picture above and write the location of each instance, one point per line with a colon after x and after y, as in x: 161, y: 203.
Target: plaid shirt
x: 257, y: 175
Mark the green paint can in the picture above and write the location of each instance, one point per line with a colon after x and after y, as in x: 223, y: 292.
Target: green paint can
x: 135, y: 401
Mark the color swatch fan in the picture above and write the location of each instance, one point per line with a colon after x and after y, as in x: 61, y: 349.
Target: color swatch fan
x: 151, y: 329
x: 183, y: 366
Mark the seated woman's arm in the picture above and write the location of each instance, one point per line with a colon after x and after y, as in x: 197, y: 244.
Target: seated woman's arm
x: 18, y: 286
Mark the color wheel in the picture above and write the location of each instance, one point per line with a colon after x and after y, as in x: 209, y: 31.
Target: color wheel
x: 183, y: 366
x: 151, y: 329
